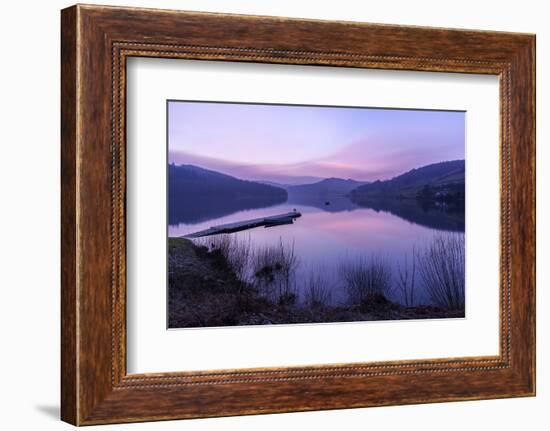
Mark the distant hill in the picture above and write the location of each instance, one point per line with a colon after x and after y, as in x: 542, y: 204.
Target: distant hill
x: 272, y: 183
x: 288, y: 180
x: 330, y: 194
x: 196, y: 194
x: 328, y: 186
x: 442, y: 181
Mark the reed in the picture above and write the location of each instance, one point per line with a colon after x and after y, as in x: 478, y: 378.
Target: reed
x: 236, y: 251
x: 274, y: 272
x: 365, y: 277
x: 406, y: 280
x: 317, y: 290
x: 442, y: 268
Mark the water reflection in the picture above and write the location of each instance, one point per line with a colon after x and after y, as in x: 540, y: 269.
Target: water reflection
x: 196, y: 209
x: 435, y: 217
x: 328, y: 234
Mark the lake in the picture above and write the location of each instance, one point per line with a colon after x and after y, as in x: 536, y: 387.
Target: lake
x: 332, y: 232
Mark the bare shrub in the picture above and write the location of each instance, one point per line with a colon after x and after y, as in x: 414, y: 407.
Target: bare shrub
x: 365, y: 277
x: 441, y: 265
x: 236, y: 251
x: 317, y: 290
x: 406, y: 278
x: 274, y: 272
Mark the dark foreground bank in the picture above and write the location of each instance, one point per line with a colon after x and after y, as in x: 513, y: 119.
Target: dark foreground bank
x: 205, y: 291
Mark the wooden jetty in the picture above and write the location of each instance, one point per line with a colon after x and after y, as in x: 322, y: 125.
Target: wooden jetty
x: 269, y: 221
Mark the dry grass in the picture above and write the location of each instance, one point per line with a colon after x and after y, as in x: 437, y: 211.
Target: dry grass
x: 365, y: 277
x: 236, y: 251
x: 406, y: 280
x: 270, y: 269
x: 317, y: 290
x: 274, y: 272
x: 442, y: 268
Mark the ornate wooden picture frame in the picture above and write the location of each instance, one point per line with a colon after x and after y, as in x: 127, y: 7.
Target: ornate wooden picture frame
x: 96, y: 41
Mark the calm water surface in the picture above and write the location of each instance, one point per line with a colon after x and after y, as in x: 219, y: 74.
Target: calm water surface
x: 325, y: 237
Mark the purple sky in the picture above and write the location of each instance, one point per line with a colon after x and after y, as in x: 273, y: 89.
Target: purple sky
x: 298, y: 144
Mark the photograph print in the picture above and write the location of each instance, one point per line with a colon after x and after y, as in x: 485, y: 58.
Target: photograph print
x: 300, y: 214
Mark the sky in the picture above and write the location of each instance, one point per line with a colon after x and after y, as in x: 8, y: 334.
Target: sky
x: 293, y: 144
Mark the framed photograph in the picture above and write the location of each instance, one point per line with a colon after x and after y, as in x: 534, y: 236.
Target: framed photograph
x: 266, y: 215
x: 277, y: 214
